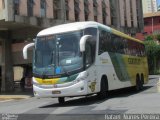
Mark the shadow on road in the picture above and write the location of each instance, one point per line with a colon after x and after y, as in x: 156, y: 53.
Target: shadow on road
x: 89, y: 100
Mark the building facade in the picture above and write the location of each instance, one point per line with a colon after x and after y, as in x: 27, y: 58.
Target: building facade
x: 151, y: 25
x: 20, y: 21
x: 149, y: 6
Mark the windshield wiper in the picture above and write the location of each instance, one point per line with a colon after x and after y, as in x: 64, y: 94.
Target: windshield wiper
x: 51, y: 65
x: 65, y: 71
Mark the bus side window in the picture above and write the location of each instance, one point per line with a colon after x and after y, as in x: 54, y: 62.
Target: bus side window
x: 119, y: 45
x: 102, y: 42
x: 139, y: 49
x: 91, y: 31
x: 125, y: 49
x: 115, y: 43
x: 108, y: 41
x: 143, y: 52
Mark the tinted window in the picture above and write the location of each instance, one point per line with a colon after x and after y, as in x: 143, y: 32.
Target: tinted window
x: 113, y: 43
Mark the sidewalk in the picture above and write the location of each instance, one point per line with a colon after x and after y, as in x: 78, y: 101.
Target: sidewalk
x: 154, y: 76
x: 16, y: 95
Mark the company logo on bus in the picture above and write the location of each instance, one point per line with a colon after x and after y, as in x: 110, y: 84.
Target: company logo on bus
x: 136, y: 61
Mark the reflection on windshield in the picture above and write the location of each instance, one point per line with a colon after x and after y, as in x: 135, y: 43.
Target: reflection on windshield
x: 45, y: 51
x: 45, y: 48
x: 60, y: 50
x: 67, y: 47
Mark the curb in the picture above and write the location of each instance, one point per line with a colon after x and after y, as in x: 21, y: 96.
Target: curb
x: 14, y: 96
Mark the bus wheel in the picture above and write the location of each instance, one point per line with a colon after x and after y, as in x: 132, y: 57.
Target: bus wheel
x: 61, y: 100
x: 139, y: 83
x: 104, y: 89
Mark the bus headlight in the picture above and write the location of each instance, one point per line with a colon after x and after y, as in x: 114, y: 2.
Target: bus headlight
x: 35, y: 82
x: 82, y: 76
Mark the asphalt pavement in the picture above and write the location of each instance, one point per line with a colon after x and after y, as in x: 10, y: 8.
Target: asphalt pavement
x: 119, y: 102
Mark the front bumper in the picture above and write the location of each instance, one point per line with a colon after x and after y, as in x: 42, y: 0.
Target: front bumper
x: 76, y: 89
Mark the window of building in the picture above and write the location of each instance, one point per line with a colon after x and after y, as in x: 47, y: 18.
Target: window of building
x: 113, y: 13
x: 76, y: 9
x: 146, y: 23
x: 86, y: 17
x: 30, y: 4
x: 132, y: 23
x: 67, y: 10
x: 131, y: 10
x: 16, y: 7
x: 86, y: 10
x: 96, y: 18
x: 95, y: 4
x: 104, y: 13
x: 43, y: 8
x: 57, y: 9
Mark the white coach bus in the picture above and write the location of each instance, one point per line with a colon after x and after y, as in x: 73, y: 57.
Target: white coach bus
x: 84, y: 58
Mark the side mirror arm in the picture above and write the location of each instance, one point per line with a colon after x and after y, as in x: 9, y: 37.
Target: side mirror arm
x: 26, y: 48
x: 83, y: 42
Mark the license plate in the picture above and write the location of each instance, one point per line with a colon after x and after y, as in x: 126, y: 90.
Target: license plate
x: 56, y: 92
x: 47, y: 82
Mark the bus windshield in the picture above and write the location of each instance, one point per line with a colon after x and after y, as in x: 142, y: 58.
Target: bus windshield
x: 58, y: 51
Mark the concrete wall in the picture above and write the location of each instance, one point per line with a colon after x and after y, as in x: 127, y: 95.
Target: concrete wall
x: 1, y: 10
x: 91, y: 14
x: 71, y: 10
x: 128, y: 12
x: 36, y: 8
x: 81, y: 6
x: 23, y: 8
x: 122, y: 15
x: 108, y: 13
x: 134, y: 12
x: 4, y: 10
x: 49, y: 5
x: 17, y: 54
x: 100, y: 11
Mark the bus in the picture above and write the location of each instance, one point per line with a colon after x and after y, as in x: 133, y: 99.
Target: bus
x: 85, y: 58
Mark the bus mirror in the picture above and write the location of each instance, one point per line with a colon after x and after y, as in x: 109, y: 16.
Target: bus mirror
x: 34, y: 40
x: 25, y: 50
x: 83, y: 42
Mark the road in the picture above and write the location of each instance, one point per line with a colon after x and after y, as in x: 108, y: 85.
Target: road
x: 125, y: 101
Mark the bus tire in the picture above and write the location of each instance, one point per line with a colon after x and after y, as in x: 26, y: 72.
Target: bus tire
x: 61, y: 100
x: 139, y: 83
x: 103, y: 89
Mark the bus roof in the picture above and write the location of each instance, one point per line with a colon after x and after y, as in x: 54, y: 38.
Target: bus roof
x: 125, y: 36
x: 69, y: 27
x: 116, y: 32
